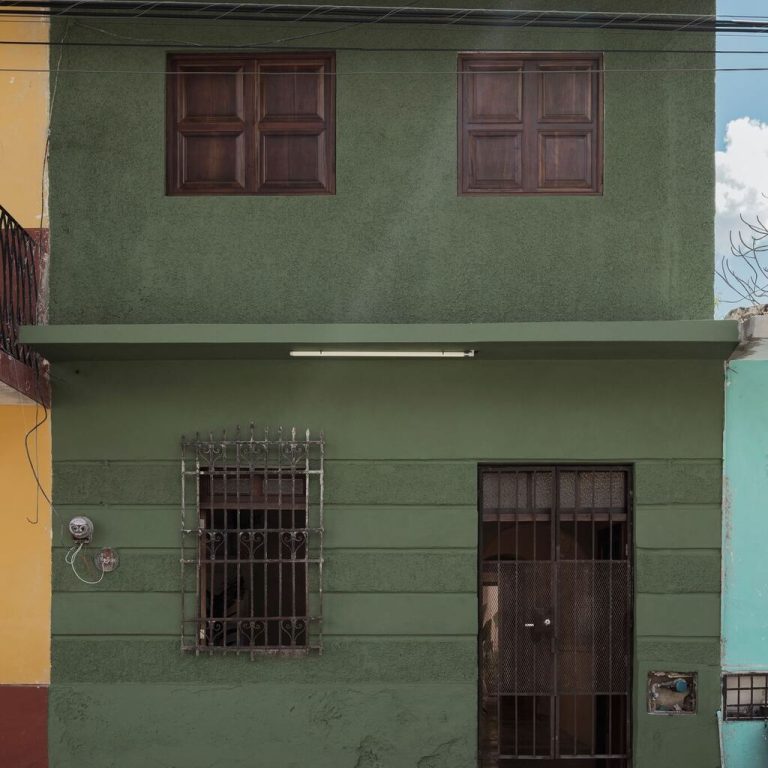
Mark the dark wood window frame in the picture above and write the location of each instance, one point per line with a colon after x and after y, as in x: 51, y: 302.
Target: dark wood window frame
x: 238, y: 143
x: 525, y: 148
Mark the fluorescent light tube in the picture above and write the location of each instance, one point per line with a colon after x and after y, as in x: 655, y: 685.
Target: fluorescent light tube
x: 379, y: 353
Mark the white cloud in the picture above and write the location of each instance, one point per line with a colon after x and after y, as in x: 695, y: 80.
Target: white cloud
x: 741, y: 179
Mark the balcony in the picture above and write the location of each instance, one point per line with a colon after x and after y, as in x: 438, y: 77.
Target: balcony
x: 23, y: 372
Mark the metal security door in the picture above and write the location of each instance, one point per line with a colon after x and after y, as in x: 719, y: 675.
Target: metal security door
x: 555, y: 616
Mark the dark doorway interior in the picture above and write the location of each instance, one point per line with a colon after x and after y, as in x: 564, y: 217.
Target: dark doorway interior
x: 555, y: 616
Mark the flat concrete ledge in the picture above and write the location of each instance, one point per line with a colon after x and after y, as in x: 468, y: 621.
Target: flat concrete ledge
x: 710, y: 339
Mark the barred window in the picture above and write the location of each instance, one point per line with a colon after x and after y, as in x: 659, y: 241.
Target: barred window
x: 252, y: 543
x: 745, y: 696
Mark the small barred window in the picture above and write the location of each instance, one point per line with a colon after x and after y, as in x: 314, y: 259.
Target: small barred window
x: 745, y: 696
x: 252, y: 542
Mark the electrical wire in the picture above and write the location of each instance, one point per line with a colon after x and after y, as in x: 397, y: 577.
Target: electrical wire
x: 216, y: 11
x: 359, y: 48
x: 71, y: 557
x: 154, y: 42
x: 145, y: 7
x: 398, y: 73
x: 40, y: 400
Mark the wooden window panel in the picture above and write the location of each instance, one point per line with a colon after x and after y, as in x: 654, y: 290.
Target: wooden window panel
x: 294, y: 138
x: 248, y: 124
x: 530, y: 124
x: 495, y: 159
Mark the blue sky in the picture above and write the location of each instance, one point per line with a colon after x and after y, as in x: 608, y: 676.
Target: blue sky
x: 741, y: 144
x: 741, y: 94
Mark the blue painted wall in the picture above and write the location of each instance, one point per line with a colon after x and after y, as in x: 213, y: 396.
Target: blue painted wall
x: 745, y: 543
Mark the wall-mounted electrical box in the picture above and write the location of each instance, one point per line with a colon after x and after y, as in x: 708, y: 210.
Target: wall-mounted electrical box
x: 672, y: 693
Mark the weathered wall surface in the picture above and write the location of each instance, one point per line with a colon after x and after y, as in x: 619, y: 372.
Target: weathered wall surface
x: 24, y: 121
x: 25, y: 602
x: 745, y: 568
x: 396, y: 684
x: 25, y: 599
x: 395, y: 243
x: 25, y: 571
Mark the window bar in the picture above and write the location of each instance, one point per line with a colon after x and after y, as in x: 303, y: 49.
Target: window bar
x: 593, y: 682
x: 238, y: 535
x: 281, y: 610
x: 551, y: 568
x: 268, y: 626
x: 610, y: 613
x: 183, y: 542
x: 529, y: 500
x: 321, y: 522
x: 252, y: 628
x: 516, y: 629
x: 556, y: 551
x: 224, y: 512
x: 212, y: 554
x: 294, y: 535
x: 500, y: 618
x: 554, y: 581
x: 199, y: 598
x: 628, y: 540
x: 307, y: 527
x: 575, y: 566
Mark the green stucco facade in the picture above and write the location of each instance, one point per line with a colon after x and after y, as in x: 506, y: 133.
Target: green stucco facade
x: 396, y: 683
x: 395, y: 243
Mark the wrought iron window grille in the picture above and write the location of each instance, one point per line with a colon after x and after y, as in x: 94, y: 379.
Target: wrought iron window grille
x: 745, y: 696
x: 252, y: 543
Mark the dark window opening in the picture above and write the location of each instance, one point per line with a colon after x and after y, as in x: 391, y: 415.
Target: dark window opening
x: 252, y: 544
x: 745, y: 696
x: 253, y: 557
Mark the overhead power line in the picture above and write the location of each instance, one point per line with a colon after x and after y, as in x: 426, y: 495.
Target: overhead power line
x: 386, y: 73
x: 182, y: 44
x: 361, y: 14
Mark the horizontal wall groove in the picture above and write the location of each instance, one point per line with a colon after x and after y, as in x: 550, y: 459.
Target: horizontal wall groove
x: 393, y: 459
x: 678, y: 638
x: 680, y: 551
x: 358, y: 638
x: 325, y: 592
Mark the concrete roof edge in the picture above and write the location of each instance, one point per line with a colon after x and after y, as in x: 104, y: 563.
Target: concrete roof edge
x: 621, y: 331
x: 545, y: 340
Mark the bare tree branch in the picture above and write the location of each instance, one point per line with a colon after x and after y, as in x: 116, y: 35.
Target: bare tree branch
x: 742, y: 271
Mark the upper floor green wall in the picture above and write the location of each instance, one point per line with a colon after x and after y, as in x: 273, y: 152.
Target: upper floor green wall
x: 395, y: 243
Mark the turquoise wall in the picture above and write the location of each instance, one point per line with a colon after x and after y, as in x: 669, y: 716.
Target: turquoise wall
x: 396, y: 684
x: 745, y: 530
x: 396, y: 243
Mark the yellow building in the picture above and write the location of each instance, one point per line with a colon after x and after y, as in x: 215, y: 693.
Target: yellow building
x: 25, y: 569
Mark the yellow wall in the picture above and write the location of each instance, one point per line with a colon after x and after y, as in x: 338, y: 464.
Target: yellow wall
x: 23, y: 120
x: 25, y: 563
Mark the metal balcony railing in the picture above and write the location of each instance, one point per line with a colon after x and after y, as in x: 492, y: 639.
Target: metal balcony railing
x: 19, y: 280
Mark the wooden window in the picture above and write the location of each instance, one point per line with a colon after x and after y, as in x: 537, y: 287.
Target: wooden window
x: 250, y: 125
x: 530, y: 124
